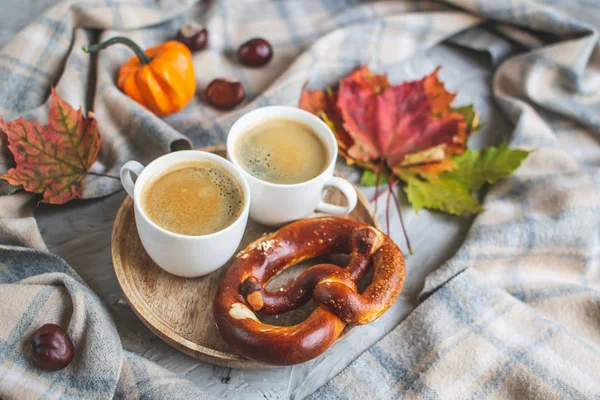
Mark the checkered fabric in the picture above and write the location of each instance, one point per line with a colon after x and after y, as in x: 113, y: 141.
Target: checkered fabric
x: 514, y: 314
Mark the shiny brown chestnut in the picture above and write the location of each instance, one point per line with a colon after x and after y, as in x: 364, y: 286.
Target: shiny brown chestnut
x: 52, y: 347
x: 255, y: 53
x: 195, y: 37
x: 225, y: 94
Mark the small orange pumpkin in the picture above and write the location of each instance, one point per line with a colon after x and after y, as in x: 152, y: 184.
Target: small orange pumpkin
x: 160, y: 78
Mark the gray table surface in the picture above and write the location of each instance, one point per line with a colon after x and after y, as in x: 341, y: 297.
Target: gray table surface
x: 80, y: 232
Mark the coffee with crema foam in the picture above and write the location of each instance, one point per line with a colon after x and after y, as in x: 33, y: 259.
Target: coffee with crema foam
x: 282, y: 151
x: 193, y: 198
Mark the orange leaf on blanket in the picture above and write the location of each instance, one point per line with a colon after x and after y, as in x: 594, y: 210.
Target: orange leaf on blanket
x: 53, y: 159
x: 322, y: 104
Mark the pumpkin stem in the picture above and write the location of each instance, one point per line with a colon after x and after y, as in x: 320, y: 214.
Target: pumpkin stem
x: 144, y: 58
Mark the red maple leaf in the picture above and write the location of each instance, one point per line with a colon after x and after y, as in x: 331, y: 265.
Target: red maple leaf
x: 388, y: 122
x: 400, y: 126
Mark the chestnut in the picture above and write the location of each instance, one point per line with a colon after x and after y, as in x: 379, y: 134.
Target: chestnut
x: 52, y: 347
x: 225, y: 94
x: 195, y: 37
x: 255, y: 53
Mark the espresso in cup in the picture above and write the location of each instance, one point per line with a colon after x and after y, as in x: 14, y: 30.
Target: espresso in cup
x: 193, y: 198
x: 282, y: 151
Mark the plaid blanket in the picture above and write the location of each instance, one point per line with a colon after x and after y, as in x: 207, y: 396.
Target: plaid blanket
x: 514, y: 314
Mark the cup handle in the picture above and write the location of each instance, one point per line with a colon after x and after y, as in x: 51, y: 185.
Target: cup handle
x: 126, y: 170
x: 349, y: 192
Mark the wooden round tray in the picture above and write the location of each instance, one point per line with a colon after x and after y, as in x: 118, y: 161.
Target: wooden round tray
x: 179, y: 310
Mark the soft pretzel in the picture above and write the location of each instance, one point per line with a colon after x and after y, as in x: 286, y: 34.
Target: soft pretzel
x: 242, y: 289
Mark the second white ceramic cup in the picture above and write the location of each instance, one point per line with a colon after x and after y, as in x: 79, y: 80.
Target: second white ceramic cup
x: 276, y: 204
x: 183, y: 255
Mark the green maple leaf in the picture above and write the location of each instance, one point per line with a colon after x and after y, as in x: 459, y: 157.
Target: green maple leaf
x: 475, y: 168
x: 445, y: 195
x: 452, y: 191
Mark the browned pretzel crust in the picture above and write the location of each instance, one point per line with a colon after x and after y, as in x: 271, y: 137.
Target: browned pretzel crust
x: 242, y: 290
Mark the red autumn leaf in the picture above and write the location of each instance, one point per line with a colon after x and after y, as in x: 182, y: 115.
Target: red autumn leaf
x: 53, y: 159
x: 407, y: 125
x: 396, y: 121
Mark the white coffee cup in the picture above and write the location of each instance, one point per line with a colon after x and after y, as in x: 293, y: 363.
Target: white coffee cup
x: 184, y: 255
x: 276, y: 204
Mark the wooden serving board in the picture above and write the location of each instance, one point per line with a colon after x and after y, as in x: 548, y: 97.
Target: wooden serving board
x: 179, y: 310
